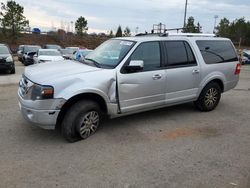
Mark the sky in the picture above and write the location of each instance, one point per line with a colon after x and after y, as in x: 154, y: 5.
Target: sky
x: 138, y: 15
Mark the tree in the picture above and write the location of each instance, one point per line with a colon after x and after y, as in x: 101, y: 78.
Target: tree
x: 237, y: 30
x: 12, y: 19
x: 190, y: 27
x: 81, y: 26
x: 127, y: 32
x: 119, y: 32
x: 111, y: 33
x: 223, y: 28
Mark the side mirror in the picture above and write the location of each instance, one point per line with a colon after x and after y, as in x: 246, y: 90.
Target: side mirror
x: 135, y: 65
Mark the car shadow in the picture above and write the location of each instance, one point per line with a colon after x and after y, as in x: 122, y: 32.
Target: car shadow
x: 112, y: 126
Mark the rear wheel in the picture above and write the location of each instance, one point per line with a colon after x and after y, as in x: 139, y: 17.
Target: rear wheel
x: 209, y: 97
x: 81, y: 120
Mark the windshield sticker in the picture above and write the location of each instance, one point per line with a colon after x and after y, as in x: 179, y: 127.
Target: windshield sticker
x: 126, y: 43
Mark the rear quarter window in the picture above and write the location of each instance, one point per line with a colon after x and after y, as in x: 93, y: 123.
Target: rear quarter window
x: 215, y: 51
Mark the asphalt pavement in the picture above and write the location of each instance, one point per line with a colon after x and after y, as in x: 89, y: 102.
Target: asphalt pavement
x: 175, y: 147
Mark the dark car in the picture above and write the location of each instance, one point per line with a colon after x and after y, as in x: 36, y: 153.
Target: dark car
x: 246, y: 57
x: 6, y: 60
x: 52, y: 46
x: 29, y: 58
x: 29, y: 51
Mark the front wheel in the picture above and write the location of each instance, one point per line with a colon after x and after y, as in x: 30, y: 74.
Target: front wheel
x: 209, y: 97
x: 81, y: 120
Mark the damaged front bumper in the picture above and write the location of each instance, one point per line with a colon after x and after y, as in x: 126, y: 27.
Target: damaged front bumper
x: 42, y: 113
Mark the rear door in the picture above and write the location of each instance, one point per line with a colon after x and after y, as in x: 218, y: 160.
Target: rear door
x: 146, y: 88
x: 182, y: 73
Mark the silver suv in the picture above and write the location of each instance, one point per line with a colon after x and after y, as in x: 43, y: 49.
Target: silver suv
x: 126, y: 76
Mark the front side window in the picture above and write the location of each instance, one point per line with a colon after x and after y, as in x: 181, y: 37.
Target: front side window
x: 179, y: 53
x: 215, y: 51
x: 149, y: 53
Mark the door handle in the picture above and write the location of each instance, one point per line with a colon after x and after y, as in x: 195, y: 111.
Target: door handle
x: 156, y: 77
x: 196, y: 71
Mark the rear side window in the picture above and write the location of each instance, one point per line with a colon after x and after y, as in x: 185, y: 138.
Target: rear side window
x: 179, y: 54
x: 217, y: 51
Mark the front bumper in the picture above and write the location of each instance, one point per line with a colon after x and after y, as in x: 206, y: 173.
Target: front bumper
x: 42, y: 113
x: 6, y: 66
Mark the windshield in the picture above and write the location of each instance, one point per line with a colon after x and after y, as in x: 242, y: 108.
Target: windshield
x: 85, y: 52
x: 71, y: 50
x: 52, y: 46
x: 111, y: 52
x: 49, y: 53
x: 4, y: 50
x: 31, y: 48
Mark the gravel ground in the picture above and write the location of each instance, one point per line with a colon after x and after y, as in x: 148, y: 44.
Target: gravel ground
x: 172, y: 147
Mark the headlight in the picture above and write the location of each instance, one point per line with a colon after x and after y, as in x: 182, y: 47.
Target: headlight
x: 38, y: 92
x: 9, y: 59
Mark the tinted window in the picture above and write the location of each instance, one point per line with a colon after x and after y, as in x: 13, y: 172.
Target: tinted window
x: 179, y: 53
x: 217, y: 51
x: 149, y: 52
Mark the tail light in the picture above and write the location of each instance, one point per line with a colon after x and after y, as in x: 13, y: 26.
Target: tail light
x: 237, y: 70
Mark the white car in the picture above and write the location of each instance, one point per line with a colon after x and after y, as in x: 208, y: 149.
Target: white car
x: 47, y: 55
x: 71, y: 52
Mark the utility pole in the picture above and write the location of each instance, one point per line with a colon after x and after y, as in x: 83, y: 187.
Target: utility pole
x: 185, y: 14
x: 215, y: 18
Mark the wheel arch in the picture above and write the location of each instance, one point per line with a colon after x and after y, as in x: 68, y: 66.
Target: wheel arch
x: 218, y: 78
x: 74, y: 99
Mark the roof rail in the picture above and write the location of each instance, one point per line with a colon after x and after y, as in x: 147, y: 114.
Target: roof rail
x: 175, y: 34
x: 191, y: 34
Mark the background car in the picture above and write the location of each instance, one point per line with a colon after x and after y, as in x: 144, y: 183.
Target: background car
x: 71, y: 51
x: 65, y: 53
x: 26, y: 50
x: 29, y: 58
x: 81, y: 53
x: 52, y: 46
x: 47, y: 55
x: 6, y: 59
x: 36, y: 31
x: 20, y: 52
x: 246, y: 57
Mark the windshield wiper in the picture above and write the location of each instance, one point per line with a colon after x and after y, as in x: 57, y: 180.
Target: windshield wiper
x: 94, y: 62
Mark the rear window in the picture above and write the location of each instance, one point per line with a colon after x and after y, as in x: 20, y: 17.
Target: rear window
x: 214, y: 51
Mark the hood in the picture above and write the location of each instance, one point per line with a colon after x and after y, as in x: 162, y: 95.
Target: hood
x: 4, y: 56
x: 42, y: 72
x: 50, y: 58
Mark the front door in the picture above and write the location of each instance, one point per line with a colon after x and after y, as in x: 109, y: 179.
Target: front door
x: 146, y: 88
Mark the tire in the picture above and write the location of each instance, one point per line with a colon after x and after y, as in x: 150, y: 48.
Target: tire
x: 209, y: 97
x: 13, y: 71
x: 81, y: 120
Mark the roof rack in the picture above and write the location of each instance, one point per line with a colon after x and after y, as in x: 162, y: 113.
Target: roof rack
x: 191, y: 34
x: 176, y: 34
